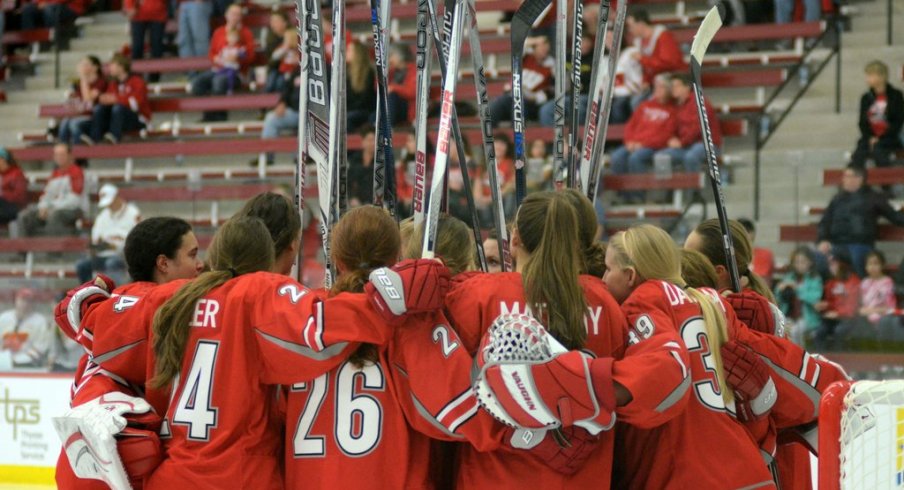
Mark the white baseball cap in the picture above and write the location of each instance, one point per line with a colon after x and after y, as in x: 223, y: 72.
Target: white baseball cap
x: 106, y: 195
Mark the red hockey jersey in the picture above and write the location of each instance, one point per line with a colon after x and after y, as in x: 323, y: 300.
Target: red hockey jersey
x: 704, y: 446
x: 221, y: 427
x: 369, y: 427
x: 473, y: 305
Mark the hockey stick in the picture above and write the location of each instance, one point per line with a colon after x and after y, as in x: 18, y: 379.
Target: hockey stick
x: 319, y: 133
x: 301, y: 17
x: 421, y: 109
x: 596, y: 79
x: 524, y: 19
x: 604, y: 108
x: 558, y: 147
x: 576, y: 69
x: 459, y: 141
x: 708, y: 29
x: 384, y: 181
x: 486, y: 129
x: 442, y: 140
x: 337, y: 102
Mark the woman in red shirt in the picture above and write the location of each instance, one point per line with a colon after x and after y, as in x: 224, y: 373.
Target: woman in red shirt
x: 13, y: 187
x: 83, y: 95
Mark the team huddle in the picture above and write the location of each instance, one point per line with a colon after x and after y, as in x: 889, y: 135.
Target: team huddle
x: 418, y: 373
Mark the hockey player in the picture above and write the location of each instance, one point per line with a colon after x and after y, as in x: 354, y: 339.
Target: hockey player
x: 581, y: 314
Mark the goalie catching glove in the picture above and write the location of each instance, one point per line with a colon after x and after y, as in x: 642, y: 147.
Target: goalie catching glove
x: 748, y: 375
x: 69, y: 312
x: 410, y: 287
x: 527, y: 379
x: 101, y: 446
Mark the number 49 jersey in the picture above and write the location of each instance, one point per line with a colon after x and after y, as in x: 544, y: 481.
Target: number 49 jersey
x: 369, y: 426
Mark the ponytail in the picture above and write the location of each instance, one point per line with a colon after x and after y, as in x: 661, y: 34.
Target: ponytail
x: 548, y: 227
x: 717, y: 334
x: 709, y: 233
x: 241, y: 246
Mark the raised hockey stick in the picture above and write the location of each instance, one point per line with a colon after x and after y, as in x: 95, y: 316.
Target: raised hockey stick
x: 318, y: 113
x: 422, y: 107
x: 384, y: 180
x: 576, y: 68
x: 604, y: 108
x: 596, y: 80
x: 524, y: 19
x: 486, y: 131
x: 708, y: 29
x: 442, y: 140
x: 558, y: 145
x: 301, y: 17
x: 456, y: 134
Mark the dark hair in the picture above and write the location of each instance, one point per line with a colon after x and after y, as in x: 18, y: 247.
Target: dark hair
x: 640, y: 15
x: 281, y: 14
x: 98, y: 66
x: 845, y: 263
x: 148, y: 240
x: 857, y: 169
x: 712, y: 247
x: 806, y: 252
x: 748, y: 225
x: 684, y: 78
x: 368, y: 128
x: 122, y: 61
x: 279, y: 215
x: 877, y: 254
x: 509, y: 146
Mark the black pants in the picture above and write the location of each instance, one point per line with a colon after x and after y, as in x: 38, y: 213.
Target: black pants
x: 156, y: 31
x: 8, y: 211
x: 881, y: 154
x: 114, y: 119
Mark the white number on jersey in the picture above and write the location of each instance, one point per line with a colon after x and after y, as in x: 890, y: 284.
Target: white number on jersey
x: 193, y: 408
x: 123, y: 303
x: 693, y: 333
x: 441, y: 333
x: 358, y: 416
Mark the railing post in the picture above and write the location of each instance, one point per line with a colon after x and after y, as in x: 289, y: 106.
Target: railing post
x: 837, y: 23
x: 890, y: 16
x: 757, y: 138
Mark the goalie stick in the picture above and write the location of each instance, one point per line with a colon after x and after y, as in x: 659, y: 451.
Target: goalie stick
x: 442, y: 139
x: 486, y: 130
x: 422, y: 61
x: 318, y: 114
x: 302, y: 156
x: 384, y: 181
x: 456, y: 132
x: 558, y: 150
x: 576, y: 68
x: 708, y: 29
x: 524, y: 19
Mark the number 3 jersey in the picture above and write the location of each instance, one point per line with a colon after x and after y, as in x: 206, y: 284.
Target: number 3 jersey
x: 222, y: 428
x: 369, y: 425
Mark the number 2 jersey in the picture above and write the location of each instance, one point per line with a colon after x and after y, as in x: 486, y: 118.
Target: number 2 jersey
x: 473, y: 305
x: 369, y: 426
x: 221, y: 425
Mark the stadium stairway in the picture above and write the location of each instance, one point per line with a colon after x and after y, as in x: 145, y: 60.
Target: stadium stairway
x: 813, y: 137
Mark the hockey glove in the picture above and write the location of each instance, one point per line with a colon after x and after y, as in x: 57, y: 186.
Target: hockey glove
x: 748, y: 375
x: 757, y: 312
x: 529, y: 381
x: 409, y: 287
x: 563, y: 450
x: 68, y: 313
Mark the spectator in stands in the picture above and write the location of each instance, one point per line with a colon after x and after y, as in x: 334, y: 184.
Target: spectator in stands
x: 51, y: 13
x: 881, y: 118
x: 108, y: 236
x: 405, y: 173
x: 797, y: 294
x: 784, y: 9
x: 629, y: 80
x: 361, y: 88
x: 60, y: 206
x: 25, y: 334
x: 878, y: 301
x: 840, y: 303
x: 83, y: 95
x: 763, y: 261
x: 361, y: 169
x: 538, y: 166
x: 147, y: 17
x: 276, y: 49
x: 215, y: 81
x: 649, y: 129
x: 228, y: 64
x: 123, y: 108
x: 13, y: 187
x: 850, y: 221
x: 401, y: 84
x: 536, y: 82
x: 685, y: 146
x: 193, y: 37
x: 458, y: 198
x: 284, y: 116
x: 658, y: 51
x: 548, y: 109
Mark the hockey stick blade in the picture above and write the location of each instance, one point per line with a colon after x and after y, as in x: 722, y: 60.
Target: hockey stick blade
x: 705, y: 34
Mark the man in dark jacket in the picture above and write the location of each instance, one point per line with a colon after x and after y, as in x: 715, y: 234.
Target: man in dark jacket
x: 881, y: 118
x: 850, y: 221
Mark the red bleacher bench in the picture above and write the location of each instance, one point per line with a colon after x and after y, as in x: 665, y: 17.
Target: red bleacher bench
x: 874, y: 176
x: 809, y: 233
x: 178, y: 65
x: 182, y: 104
x: 31, y: 36
x: 758, y: 32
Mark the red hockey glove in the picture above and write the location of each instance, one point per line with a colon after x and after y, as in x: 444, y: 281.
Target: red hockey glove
x: 564, y: 450
x: 529, y: 381
x: 748, y: 375
x: 140, y: 451
x: 409, y: 287
x: 757, y: 312
x: 68, y: 313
